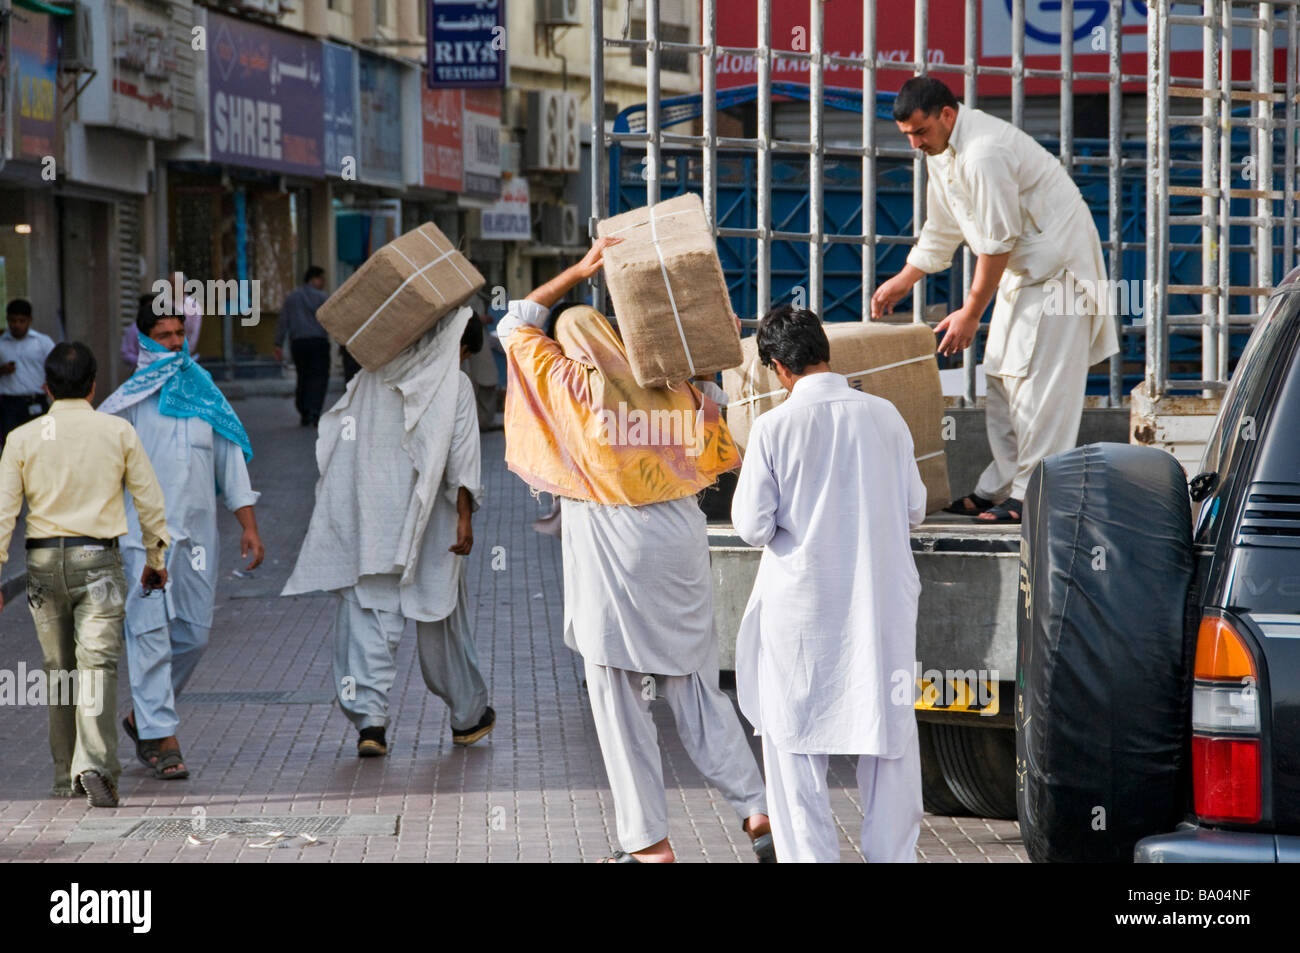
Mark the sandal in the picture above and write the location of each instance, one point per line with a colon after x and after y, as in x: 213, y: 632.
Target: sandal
x: 146, y: 756
x: 621, y: 857
x: 1008, y: 511
x: 170, y: 759
x: 764, y: 846
x: 972, y: 505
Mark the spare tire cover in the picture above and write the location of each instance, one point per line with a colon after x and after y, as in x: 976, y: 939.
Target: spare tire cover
x: 1103, y: 679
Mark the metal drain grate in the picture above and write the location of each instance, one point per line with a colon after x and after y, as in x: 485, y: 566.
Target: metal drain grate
x: 301, y: 697
x: 256, y: 825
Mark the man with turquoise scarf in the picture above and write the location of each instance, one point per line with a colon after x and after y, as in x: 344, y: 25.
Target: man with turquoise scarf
x: 199, y: 449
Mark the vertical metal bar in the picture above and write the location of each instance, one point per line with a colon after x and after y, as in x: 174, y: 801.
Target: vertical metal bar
x: 816, y: 223
x: 1210, y: 183
x: 969, y: 98
x: 1289, y: 157
x: 1018, y: 63
x: 868, y: 156
x: 708, y: 65
x: 1157, y: 101
x: 1067, y: 86
x: 921, y: 28
x: 1263, y: 161
x: 652, y: 147
x: 1115, y: 180
x: 599, y: 168
x: 1225, y: 187
x: 763, y: 212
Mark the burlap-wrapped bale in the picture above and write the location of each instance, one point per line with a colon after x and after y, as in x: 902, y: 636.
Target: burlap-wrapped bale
x: 893, y: 361
x: 668, y: 291
x: 398, y: 294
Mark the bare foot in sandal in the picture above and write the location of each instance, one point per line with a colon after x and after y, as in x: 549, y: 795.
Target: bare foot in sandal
x: 169, y: 765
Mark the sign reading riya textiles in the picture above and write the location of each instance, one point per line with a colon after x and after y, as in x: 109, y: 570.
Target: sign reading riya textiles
x: 466, y: 43
x: 266, y: 97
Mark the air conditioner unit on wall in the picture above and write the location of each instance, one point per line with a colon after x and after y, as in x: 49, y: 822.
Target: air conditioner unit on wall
x: 558, y: 13
x: 571, y: 139
x: 78, y: 51
x: 544, y: 143
x: 560, y: 225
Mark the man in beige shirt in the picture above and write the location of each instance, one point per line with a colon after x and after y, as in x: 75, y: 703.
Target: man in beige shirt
x: 71, y: 465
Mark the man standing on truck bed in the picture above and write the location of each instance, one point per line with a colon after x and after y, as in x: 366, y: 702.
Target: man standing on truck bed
x: 830, y: 490
x: 1036, y: 247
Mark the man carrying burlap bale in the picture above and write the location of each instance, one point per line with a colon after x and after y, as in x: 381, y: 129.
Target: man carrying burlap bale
x: 400, y: 476
x: 626, y: 461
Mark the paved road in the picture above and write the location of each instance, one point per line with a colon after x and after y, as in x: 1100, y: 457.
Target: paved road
x: 267, y: 746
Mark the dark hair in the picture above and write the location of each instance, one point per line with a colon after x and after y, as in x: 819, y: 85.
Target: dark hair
x: 146, y: 318
x: 473, y: 336
x: 70, y: 371
x: 793, y: 336
x: 924, y: 93
x: 315, y: 271
x: 19, y: 306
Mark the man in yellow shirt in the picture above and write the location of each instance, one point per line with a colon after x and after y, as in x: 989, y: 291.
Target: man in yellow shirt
x: 71, y: 465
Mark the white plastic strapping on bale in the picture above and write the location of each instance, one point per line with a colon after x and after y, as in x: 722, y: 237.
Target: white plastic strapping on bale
x: 874, y: 370
x: 416, y: 274
x: 663, y: 267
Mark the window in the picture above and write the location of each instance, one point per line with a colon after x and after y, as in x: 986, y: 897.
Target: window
x: 674, y: 61
x: 381, y: 12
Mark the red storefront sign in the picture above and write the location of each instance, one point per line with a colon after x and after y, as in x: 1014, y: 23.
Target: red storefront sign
x: 444, y: 166
x: 945, y: 43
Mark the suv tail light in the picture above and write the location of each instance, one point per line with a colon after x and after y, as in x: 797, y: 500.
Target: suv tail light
x: 1225, y: 726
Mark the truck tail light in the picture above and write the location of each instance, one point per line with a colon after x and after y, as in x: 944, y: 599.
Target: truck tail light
x: 1226, y: 781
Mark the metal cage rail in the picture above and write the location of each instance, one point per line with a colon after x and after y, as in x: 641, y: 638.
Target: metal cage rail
x: 1213, y: 188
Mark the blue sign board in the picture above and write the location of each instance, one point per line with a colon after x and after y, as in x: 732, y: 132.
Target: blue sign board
x: 467, y: 44
x: 381, y: 119
x: 340, y: 106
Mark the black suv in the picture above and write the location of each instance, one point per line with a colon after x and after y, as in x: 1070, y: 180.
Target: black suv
x: 1245, y: 715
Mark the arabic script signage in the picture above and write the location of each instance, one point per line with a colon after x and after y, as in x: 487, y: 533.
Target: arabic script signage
x: 467, y: 46
x: 265, y: 97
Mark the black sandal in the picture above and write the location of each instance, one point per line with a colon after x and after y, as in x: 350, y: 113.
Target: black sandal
x: 170, y: 759
x: 146, y: 750
x: 977, y: 506
x: 1008, y: 511
x: 621, y: 857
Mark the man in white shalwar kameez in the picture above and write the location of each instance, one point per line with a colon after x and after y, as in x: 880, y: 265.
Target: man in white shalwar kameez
x: 830, y: 490
x: 1037, y: 249
x: 400, y: 478
x: 199, y: 450
x: 638, y: 597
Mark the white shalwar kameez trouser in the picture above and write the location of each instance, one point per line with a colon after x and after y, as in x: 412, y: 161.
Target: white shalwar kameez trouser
x: 365, y: 661
x: 629, y: 743
x: 799, y: 806
x: 1033, y: 416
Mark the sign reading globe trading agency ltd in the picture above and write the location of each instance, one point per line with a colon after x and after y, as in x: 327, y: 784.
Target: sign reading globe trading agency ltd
x: 266, y: 97
x: 467, y: 46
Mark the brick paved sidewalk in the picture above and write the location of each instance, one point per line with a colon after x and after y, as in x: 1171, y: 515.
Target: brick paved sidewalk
x: 535, y: 791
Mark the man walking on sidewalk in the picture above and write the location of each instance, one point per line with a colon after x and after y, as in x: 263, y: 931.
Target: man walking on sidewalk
x: 830, y: 490
x: 399, y: 459
x: 71, y: 466
x: 308, y: 343
x: 22, y: 368
x: 198, y: 448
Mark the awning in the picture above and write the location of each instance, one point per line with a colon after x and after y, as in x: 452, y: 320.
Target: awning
x: 36, y: 6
